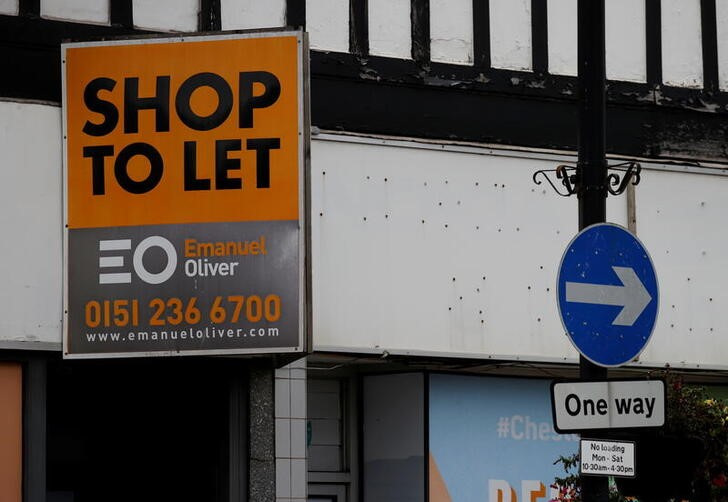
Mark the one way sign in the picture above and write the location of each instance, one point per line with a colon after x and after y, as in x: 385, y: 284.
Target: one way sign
x: 607, y: 294
x: 614, y: 404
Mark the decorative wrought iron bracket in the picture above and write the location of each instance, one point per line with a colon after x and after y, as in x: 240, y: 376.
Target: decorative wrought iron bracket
x: 568, y: 181
x: 631, y: 173
x: 568, y: 176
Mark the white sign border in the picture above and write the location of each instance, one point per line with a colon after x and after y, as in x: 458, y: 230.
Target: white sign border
x: 558, y: 294
x: 587, y: 429
x: 627, y: 476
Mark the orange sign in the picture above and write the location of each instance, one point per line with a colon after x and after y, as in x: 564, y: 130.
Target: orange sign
x: 184, y: 130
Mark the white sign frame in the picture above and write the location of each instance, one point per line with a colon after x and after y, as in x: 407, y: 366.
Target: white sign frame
x: 606, y: 464
x: 303, y: 343
x: 589, y: 405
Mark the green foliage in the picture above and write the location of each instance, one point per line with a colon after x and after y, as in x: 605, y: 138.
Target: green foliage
x: 569, y: 486
x: 692, y: 413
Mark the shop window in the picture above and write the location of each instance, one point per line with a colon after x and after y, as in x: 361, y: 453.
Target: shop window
x: 324, y: 427
x: 331, y: 446
x: 394, y: 438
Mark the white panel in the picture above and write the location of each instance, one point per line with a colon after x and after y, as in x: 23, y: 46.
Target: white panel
x: 390, y: 29
x: 425, y: 250
x: 436, y: 251
x: 94, y: 11
x: 687, y: 241
x: 31, y: 221
x: 327, y: 23
x: 250, y: 14
x: 626, y: 40
x: 682, y: 56
x: 166, y: 15
x: 9, y: 7
x: 562, y: 37
x: 451, y: 31
x: 721, y: 11
x: 510, y: 34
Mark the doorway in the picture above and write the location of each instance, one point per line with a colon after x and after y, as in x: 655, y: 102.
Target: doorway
x: 151, y: 430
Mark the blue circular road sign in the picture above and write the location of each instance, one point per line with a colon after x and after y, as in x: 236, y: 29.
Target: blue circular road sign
x: 607, y: 294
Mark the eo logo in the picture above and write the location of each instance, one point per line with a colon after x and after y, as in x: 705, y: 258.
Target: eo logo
x: 117, y: 261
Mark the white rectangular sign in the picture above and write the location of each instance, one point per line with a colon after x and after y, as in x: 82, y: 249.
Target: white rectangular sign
x: 607, y: 458
x: 616, y: 404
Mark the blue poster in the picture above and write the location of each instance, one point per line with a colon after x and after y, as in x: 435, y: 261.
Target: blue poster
x: 492, y: 439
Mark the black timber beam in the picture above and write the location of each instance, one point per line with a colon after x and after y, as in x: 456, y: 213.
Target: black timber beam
x: 439, y: 101
x: 31, y: 49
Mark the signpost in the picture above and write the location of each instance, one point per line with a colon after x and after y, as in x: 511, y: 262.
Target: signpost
x: 614, y: 404
x: 607, y: 294
x: 608, y: 299
x: 184, y: 177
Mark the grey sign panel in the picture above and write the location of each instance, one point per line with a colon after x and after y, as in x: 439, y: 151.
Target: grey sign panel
x: 616, y: 404
x: 184, y: 288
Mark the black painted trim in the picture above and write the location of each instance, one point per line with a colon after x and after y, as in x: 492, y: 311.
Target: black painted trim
x: 29, y: 8
x: 296, y: 13
x: 481, y: 33
x: 359, y: 27
x: 426, y: 431
x: 359, y: 382
x: 238, y: 426
x: 539, y: 36
x: 420, y: 14
x: 653, y: 33
x: 709, y: 37
x: 121, y: 13
x: 461, y: 103
x: 209, y: 16
x: 35, y: 408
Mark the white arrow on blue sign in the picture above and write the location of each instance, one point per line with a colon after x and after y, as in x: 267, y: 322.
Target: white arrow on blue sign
x: 607, y: 294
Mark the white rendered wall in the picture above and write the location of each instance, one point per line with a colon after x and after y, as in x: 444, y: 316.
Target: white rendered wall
x: 166, y: 15
x: 562, y: 37
x: 327, y: 23
x: 721, y: 11
x: 390, y: 29
x: 88, y: 11
x: 625, y: 40
x: 451, y: 31
x: 251, y: 14
x: 31, y: 219
x: 10, y: 7
x: 624, y: 43
x: 682, y: 56
x: 510, y: 34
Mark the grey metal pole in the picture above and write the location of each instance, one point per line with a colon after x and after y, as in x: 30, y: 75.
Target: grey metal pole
x: 592, y: 165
